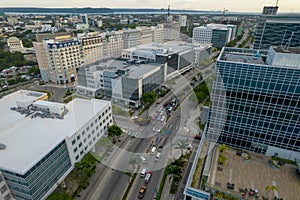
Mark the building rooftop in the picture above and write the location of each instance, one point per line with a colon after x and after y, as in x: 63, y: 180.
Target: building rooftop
x: 27, y: 139
x: 291, y: 50
x: 243, y: 55
x: 133, y: 70
x: 164, y: 48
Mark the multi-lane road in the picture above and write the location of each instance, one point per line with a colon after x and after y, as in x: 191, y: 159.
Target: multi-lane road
x: 110, y: 180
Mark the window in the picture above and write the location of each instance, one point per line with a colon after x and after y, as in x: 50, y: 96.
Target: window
x: 73, y: 141
x: 3, y: 189
x: 8, y: 197
x: 80, y: 144
x: 75, y: 150
x: 78, y: 137
x: 76, y: 158
x: 83, y: 132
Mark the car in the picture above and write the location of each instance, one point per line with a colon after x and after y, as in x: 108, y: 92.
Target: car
x: 159, y: 149
x: 134, y: 117
x: 155, y: 129
x: 197, y: 137
x: 142, y: 191
x: 158, y: 118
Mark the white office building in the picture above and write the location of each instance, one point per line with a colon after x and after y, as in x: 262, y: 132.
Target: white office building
x: 40, y: 144
x: 216, y: 34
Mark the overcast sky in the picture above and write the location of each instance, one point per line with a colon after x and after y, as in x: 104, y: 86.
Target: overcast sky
x: 231, y: 5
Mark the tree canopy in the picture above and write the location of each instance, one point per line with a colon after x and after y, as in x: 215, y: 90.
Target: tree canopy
x: 114, y: 130
x: 148, y: 97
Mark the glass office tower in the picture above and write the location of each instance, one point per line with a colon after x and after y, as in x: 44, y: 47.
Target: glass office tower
x: 279, y: 30
x: 256, y: 101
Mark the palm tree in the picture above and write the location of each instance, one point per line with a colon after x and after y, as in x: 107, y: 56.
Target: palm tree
x: 222, y: 160
x: 129, y: 174
x: 133, y: 161
x: 182, y: 145
x: 271, y: 187
x: 174, y: 171
x: 223, y: 148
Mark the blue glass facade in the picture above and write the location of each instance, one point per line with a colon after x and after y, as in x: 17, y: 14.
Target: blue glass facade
x: 276, y: 31
x: 255, y: 106
x: 36, y: 182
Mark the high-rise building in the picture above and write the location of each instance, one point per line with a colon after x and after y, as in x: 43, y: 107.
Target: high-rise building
x: 278, y: 30
x: 15, y: 44
x: 95, y: 46
x: 270, y: 10
x: 216, y: 34
x: 132, y: 38
x: 146, y: 35
x: 158, y: 34
x: 182, y: 20
x: 172, y: 31
x: 42, y: 148
x: 256, y: 101
x: 63, y: 58
x: 85, y: 19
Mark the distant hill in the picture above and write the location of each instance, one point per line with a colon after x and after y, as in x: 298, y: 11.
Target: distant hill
x: 96, y: 10
x: 55, y: 10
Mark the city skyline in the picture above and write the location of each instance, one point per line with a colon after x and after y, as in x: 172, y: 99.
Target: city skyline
x: 231, y: 5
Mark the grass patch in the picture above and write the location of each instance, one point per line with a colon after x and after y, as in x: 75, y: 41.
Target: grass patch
x: 207, y: 102
x: 116, y: 110
x: 77, y: 180
x: 201, y: 92
x: 197, y: 175
x: 70, y: 98
x: 292, y: 162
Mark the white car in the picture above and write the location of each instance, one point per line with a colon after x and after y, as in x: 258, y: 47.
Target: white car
x: 158, y: 118
x: 134, y: 117
x: 155, y: 129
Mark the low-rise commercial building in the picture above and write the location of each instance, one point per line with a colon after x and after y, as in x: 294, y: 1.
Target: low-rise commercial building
x: 123, y: 81
x: 179, y: 56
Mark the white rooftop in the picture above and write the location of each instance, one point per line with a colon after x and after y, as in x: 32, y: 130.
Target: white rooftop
x: 28, y: 140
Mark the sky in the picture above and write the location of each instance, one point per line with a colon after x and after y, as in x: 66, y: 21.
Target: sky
x: 230, y: 5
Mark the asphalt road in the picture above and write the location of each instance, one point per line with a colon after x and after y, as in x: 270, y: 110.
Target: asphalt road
x: 110, y: 182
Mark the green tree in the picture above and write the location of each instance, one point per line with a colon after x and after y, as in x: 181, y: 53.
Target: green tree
x: 148, y: 97
x: 174, y: 171
x: 133, y: 162
x: 114, y: 131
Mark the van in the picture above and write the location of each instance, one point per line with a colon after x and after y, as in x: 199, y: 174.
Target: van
x: 153, y: 150
x: 143, y: 173
x: 157, y: 157
x: 143, y: 159
x: 148, y: 177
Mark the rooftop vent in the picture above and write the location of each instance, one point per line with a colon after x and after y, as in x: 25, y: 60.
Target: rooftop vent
x: 2, y: 146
